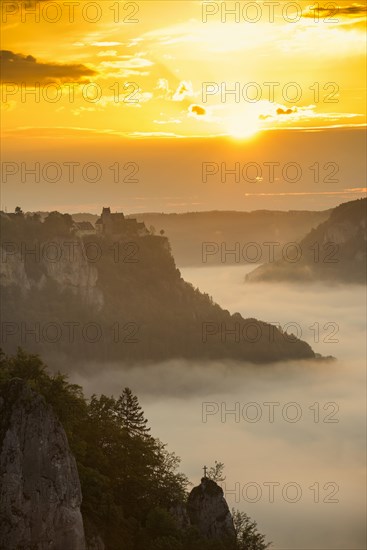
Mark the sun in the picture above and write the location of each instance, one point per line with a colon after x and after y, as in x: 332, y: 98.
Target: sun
x: 242, y: 126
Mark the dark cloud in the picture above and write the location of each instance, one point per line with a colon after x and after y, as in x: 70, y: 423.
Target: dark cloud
x: 356, y: 10
x: 281, y: 111
x: 197, y: 110
x: 21, y: 68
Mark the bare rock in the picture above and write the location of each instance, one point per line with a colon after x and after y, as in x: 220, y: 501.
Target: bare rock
x: 40, y: 493
x: 209, y: 512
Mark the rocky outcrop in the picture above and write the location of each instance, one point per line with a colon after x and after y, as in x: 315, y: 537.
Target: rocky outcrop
x: 40, y: 493
x: 333, y: 252
x: 208, y: 511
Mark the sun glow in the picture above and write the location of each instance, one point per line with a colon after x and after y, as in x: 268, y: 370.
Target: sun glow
x: 242, y: 127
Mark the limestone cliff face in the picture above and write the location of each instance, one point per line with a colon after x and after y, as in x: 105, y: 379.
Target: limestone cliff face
x: 209, y: 512
x: 59, y: 261
x: 12, y: 271
x: 40, y: 493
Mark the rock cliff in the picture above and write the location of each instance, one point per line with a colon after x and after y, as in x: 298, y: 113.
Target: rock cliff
x: 62, y: 262
x: 209, y: 512
x: 122, y: 301
x: 40, y: 493
x: 334, y: 252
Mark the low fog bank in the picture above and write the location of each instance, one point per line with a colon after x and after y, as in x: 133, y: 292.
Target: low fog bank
x: 292, y: 424
x: 298, y: 426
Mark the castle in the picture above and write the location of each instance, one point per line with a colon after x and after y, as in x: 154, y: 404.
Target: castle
x: 117, y: 224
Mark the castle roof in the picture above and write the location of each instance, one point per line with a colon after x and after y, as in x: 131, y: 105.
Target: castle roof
x: 85, y: 226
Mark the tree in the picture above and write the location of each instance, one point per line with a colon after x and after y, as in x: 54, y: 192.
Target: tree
x: 162, y: 232
x: 18, y: 210
x: 248, y: 538
x: 35, y: 217
x: 215, y: 472
x: 57, y: 224
x: 131, y: 415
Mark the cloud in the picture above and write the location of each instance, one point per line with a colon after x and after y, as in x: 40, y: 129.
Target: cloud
x: 356, y: 10
x: 129, y: 62
x: 345, y: 17
x: 281, y: 111
x: 126, y: 65
x: 197, y: 110
x: 169, y: 121
x: 107, y: 53
x: 353, y: 11
x: 164, y: 90
x: 352, y: 191
x: 26, y: 69
x: 184, y: 89
x: 105, y: 44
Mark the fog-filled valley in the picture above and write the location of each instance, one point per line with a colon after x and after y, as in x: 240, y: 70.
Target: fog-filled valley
x: 295, y: 428
x: 265, y: 376
x: 183, y: 261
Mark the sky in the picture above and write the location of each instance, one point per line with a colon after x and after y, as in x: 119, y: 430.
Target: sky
x: 87, y: 81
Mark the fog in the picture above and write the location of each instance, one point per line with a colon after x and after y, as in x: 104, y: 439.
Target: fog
x: 272, y: 435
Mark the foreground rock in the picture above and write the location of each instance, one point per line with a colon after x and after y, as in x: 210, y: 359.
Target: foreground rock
x: 209, y: 512
x: 40, y: 493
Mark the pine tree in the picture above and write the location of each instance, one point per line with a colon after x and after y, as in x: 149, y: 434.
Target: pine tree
x: 131, y: 415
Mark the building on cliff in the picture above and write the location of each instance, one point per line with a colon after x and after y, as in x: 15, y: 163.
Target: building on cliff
x: 84, y: 228
x: 116, y: 224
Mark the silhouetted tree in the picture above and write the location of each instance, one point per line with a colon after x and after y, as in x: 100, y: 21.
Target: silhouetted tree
x: 131, y: 414
x: 248, y: 537
x: 215, y: 473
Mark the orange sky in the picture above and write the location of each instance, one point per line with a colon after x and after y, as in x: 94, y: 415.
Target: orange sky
x: 128, y: 71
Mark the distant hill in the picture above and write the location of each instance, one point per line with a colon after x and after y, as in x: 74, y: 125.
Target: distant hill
x: 335, y: 251
x: 116, y: 297
x: 189, y: 232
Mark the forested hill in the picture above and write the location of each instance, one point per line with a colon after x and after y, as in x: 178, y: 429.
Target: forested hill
x: 335, y: 251
x: 116, y: 297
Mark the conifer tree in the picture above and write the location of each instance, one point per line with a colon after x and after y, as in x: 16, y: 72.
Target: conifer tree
x: 131, y: 415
